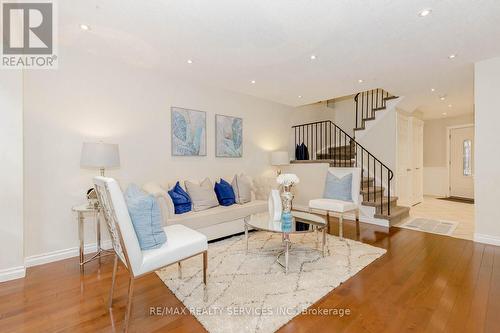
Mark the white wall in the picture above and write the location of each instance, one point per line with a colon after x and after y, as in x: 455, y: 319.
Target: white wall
x: 345, y: 113
x: 307, y: 114
x: 88, y: 99
x: 11, y: 177
x: 436, y: 179
x: 487, y: 158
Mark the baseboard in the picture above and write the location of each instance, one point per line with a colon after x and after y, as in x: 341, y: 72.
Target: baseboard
x: 49, y: 257
x: 351, y: 216
x: 486, y: 239
x: 12, y: 273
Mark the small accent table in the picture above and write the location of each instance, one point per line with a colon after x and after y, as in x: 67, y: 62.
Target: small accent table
x: 301, y: 223
x: 81, y: 210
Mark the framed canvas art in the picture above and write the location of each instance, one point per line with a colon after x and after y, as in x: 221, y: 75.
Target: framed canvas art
x: 189, y: 132
x: 228, y: 136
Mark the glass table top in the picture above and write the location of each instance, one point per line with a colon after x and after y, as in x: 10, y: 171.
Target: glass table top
x: 301, y: 222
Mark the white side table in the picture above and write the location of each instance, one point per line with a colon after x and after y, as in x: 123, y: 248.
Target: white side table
x: 81, y: 210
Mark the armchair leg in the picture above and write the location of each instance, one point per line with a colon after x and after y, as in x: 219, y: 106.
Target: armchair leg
x: 113, y: 280
x: 129, y: 304
x: 179, y: 266
x: 205, y: 265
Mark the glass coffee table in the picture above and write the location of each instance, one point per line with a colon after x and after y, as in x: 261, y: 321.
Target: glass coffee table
x: 302, y: 222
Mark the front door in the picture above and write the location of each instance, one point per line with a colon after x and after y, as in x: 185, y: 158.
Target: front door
x: 462, y: 162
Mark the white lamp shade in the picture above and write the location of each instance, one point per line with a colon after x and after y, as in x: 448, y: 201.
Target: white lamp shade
x: 100, y: 155
x: 280, y: 158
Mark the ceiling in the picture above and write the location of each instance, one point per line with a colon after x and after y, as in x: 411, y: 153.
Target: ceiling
x: 385, y: 43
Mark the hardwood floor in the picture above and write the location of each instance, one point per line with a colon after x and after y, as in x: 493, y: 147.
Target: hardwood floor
x: 425, y: 282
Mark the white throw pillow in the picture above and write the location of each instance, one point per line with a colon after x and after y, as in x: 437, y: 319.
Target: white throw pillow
x: 202, y: 195
x: 242, y: 187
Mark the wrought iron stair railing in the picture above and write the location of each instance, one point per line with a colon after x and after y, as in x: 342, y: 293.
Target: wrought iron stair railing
x: 326, y: 141
x: 367, y: 103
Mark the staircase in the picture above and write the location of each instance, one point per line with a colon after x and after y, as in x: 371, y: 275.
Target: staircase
x: 367, y: 104
x: 328, y: 143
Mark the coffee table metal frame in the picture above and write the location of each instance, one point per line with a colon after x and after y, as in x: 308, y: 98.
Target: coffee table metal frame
x: 285, y: 235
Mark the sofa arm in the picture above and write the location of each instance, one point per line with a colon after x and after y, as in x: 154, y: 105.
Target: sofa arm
x: 163, y: 199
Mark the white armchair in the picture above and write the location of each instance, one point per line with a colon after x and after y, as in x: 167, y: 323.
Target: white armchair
x: 182, y: 242
x: 341, y: 207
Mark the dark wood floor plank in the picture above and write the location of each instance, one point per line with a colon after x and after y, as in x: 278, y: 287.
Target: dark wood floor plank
x: 492, y: 323
x: 424, y: 282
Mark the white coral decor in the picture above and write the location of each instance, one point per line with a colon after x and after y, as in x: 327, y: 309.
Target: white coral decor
x: 287, y: 179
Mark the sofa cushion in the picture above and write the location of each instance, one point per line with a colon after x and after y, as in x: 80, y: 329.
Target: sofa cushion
x: 202, y: 195
x: 225, y: 193
x: 220, y: 214
x: 180, y: 198
x: 146, y: 218
x: 242, y: 187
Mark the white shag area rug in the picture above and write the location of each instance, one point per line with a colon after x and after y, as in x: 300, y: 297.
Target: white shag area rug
x: 429, y: 225
x: 250, y: 292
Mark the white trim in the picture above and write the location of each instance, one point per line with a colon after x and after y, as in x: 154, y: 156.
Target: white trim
x: 12, y: 273
x: 57, y: 255
x: 448, y: 153
x: 486, y: 239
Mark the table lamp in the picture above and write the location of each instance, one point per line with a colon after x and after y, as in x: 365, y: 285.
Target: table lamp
x: 99, y: 156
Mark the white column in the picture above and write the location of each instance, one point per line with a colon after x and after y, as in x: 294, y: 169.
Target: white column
x: 487, y: 158
x: 11, y: 175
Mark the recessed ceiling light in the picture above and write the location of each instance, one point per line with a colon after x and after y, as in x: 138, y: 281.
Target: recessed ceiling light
x: 449, y: 105
x: 189, y: 61
x: 444, y: 113
x: 442, y: 98
x: 300, y: 96
x: 313, y: 57
x: 424, y: 12
x: 360, y: 81
x: 433, y: 90
x: 252, y: 82
x: 84, y: 27
x: 452, y: 56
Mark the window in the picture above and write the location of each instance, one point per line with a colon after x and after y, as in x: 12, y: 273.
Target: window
x: 467, y: 157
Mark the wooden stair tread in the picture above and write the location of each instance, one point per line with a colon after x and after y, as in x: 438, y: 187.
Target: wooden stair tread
x: 375, y: 202
x: 379, y: 109
x: 390, y: 97
x: 372, y: 190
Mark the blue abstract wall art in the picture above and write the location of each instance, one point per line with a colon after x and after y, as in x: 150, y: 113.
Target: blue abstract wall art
x: 229, y: 136
x: 189, y: 132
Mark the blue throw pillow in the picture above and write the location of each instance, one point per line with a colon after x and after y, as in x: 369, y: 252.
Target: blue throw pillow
x: 181, y: 199
x: 225, y: 193
x: 146, y: 218
x: 338, y: 188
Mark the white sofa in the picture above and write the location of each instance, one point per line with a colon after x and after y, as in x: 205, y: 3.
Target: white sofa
x: 215, y: 222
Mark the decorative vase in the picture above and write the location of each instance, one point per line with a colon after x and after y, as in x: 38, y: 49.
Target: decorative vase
x: 286, y: 198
